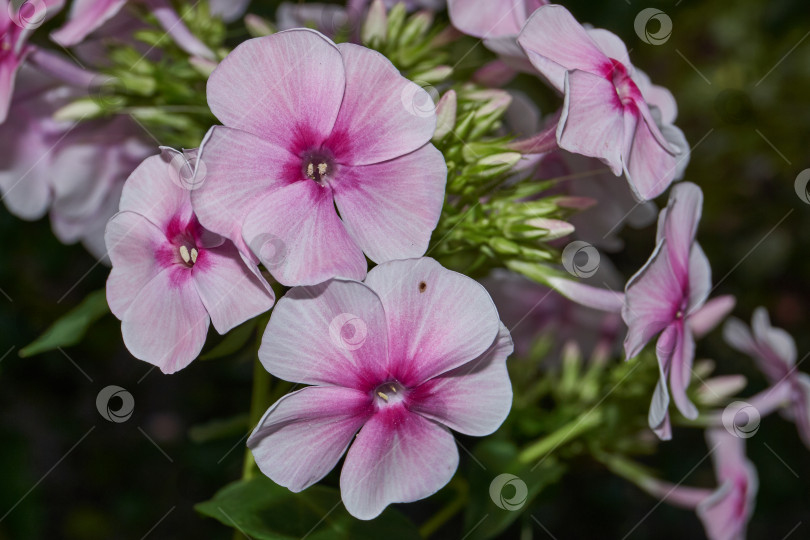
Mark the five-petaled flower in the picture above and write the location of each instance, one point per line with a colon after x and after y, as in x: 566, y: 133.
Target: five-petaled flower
x: 413, y: 351
x: 170, y: 277
x: 606, y: 113
x: 311, y: 126
x: 668, y: 296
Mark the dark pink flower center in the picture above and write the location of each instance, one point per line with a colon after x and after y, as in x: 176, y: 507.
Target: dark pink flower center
x: 626, y: 89
x: 318, y: 165
x: 390, y: 394
x: 183, y: 243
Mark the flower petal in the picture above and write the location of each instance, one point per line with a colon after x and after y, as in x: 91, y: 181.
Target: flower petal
x: 703, y: 321
x: 593, y: 119
x: 302, y: 435
x: 239, y: 169
x: 85, y: 17
x: 774, y: 342
x: 230, y: 292
x: 681, y: 372
x: 650, y: 168
x: 150, y: 192
x: 131, y: 244
x: 664, y: 350
x: 474, y: 398
x: 398, y: 456
x: 280, y: 87
x: 555, y: 42
x: 588, y: 295
x: 333, y: 333
x: 166, y: 323
x: 391, y: 208
x: 680, y: 226
x: 396, y: 118
x: 494, y: 18
x: 297, y: 234
x: 437, y: 319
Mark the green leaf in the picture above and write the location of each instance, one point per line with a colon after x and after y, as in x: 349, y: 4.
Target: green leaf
x: 71, y: 327
x: 262, y: 509
x: 219, y: 429
x: 500, y: 457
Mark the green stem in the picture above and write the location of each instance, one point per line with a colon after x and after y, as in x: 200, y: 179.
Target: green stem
x: 258, y: 405
x: 447, y: 512
x: 571, y: 430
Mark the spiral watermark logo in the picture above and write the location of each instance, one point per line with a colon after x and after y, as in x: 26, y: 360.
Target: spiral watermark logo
x: 420, y: 99
x: 270, y: 249
x: 741, y: 419
x: 28, y: 14
x: 107, y: 92
x: 644, y: 20
x: 517, y: 500
x: 336, y: 20
x: 580, y: 259
x: 801, y: 186
x: 107, y: 409
x: 348, y: 331
x: 187, y: 170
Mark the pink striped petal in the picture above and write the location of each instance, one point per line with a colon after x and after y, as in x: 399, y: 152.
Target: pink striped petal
x: 391, y: 208
x: 437, y: 319
x: 703, y: 321
x: 293, y: 79
x: 681, y: 372
x: 700, y: 278
x: 650, y: 168
x: 230, y: 292
x: 333, y: 334
x: 150, y: 192
x: 611, y: 45
x: 166, y: 323
x: 775, y: 342
x: 593, y: 122
x: 297, y: 234
x: 304, y: 434
x: 398, y: 456
x: 396, y: 118
x: 680, y: 226
x: 474, y: 398
x: 493, y: 18
x: 239, y: 169
x: 86, y: 16
x: 589, y: 296
x: 555, y: 43
x: 658, y: 416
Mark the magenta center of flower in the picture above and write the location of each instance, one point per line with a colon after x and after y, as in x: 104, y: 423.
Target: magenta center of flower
x: 626, y: 89
x: 318, y: 165
x: 389, y: 393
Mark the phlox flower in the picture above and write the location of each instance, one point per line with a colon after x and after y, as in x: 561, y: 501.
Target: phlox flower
x: 496, y: 22
x: 668, y: 296
x: 398, y: 361
x: 323, y: 157
x: 606, y: 112
x: 726, y: 510
x: 774, y: 352
x: 170, y: 277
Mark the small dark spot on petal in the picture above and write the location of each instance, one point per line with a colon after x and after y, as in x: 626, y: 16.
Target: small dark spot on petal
x: 422, y: 286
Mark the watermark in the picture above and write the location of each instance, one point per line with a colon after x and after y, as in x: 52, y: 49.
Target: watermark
x: 28, y: 14
x: 107, y: 92
x: 348, y: 331
x: 517, y: 500
x: 270, y: 249
x: 741, y: 419
x: 187, y: 170
x: 642, y: 26
x: 580, y: 259
x: 123, y: 412
x: 420, y: 99
x: 801, y: 186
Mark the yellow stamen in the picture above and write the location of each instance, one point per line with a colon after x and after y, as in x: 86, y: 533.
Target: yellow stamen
x: 184, y: 254
x: 382, y: 396
x: 393, y: 388
x: 311, y: 170
x: 322, y: 169
x: 193, y: 255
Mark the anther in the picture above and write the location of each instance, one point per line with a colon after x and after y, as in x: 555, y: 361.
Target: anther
x: 185, y: 255
x: 385, y: 397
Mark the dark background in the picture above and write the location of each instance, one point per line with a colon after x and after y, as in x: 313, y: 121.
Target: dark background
x: 80, y: 476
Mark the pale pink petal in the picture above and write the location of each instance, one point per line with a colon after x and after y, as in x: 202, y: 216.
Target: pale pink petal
x: 398, y: 456
x: 230, y: 292
x: 801, y: 407
x: 474, y: 398
x: 286, y: 87
x: 680, y: 226
x: 650, y: 168
x: 131, y: 244
x: 9, y: 65
x: 681, y: 372
x: 588, y: 295
x: 652, y: 298
x: 391, y: 208
x: 150, y: 192
x: 703, y: 321
x: 85, y: 17
x: 658, y: 415
x: 239, y: 169
x: 303, y: 435
x: 166, y: 323
x: 333, y: 333
x: 493, y: 18
x: 774, y: 342
x: 397, y: 117
x: 593, y: 119
x: 555, y: 42
x: 228, y: 10
x: 737, y: 335
x: 297, y: 234
x: 611, y: 45
x: 437, y: 319
x: 700, y: 278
